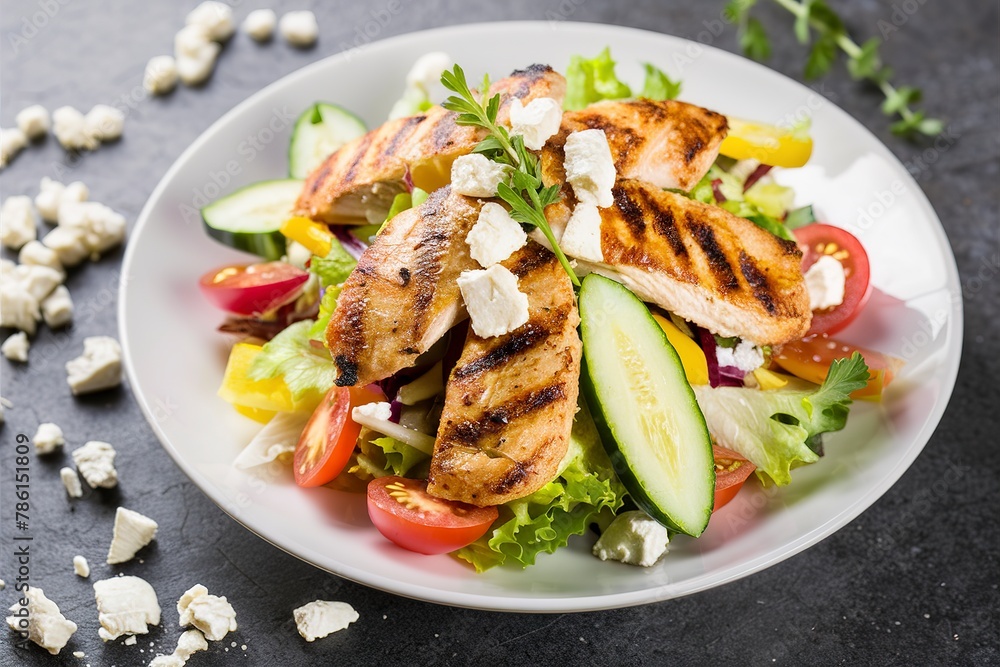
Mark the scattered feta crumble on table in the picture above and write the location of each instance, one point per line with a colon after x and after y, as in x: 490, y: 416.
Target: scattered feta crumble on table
x: 215, y: 17
x: 70, y: 127
x: 496, y: 306
x: 17, y: 222
x: 160, y: 75
x: 189, y: 643
x: 71, y: 481
x: 125, y: 606
x: 34, y: 121
x: 99, y: 367
x: 16, y: 347
x: 259, y: 24
x: 211, y: 614
x: 96, y: 462
x: 299, y: 28
x: 105, y: 123
x: 321, y: 618
x: 57, y: 308
x: 81, y: 567
x: 12, y: 142
x: 46, y: 625
x: 53, y: 194
x: 48, y: 437
x: 634, y: 538
x: 132, y: 532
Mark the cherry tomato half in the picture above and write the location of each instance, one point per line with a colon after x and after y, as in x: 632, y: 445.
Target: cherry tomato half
x: 405, y: 513
x: 330, y: 435
x: 810, y: 359
x: 252, y: 289
x: 818, y: 239
x: 731, y: 471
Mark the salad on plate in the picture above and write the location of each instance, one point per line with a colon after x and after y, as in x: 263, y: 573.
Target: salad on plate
x: 548, y: 305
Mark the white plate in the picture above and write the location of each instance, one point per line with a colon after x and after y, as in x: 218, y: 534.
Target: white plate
x: 175, y: 358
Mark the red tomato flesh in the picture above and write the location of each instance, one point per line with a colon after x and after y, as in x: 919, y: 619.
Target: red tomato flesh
x: 818, y: 239
x: 252, y: 289
x: 406, y: 514
x: 731, y: 471
x: 330, y: 435
x: 810, y: 359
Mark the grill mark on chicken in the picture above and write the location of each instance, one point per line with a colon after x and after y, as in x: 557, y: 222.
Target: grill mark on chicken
x: 717, y: 261
x: 523, y: 339
x: 405, y: 131
x: 631, y: 212
x: 665, y: 225
x: 758, y: 283
x: 498, y: 418
x: 362, y: 151
x: 692, y: 150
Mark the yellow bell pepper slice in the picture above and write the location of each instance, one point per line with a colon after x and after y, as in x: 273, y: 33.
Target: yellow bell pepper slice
x: 272, y: 395
x: 256, y: 414
x: 315, y: 236
x: 769, y: 379
x: 776, y: 146
x: 692, y: 357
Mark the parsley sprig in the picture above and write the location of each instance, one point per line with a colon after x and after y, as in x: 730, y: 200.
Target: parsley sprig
x: 525, y: 193
x: 816, y: 23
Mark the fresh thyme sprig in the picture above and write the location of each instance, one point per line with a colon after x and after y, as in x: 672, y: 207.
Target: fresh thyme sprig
x: 525, y: 194
x: 863, y: 61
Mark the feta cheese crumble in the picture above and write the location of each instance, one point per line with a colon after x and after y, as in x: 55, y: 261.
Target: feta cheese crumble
x: 12, y: 142
x: 18, y: 309
x: 81, y: 567
x: 70, y: 127
x: 590, y: 169
x: 744, y: 355
x: 71, y: 481
x: 99, y: 367
x: 195, y: 53
x: 189, y: 643
x: 496, y: 306
x: 259, y: 24
x: 132, y: 532
x: 215, y: 17
x: 35, y: 253
x: 299, y: 28
x: 582, y: 236
x: 47, y: 438
x: 633, y: 538
x: 105, y: 123
x: 38, y: 281
x: 476, y: 175
x: 321, y: 618
x: 381, y: 411
x: 41, y: 617
x: 96, y: 462
x: 125, y: 606
x: 825, y: 281
x: 57, y: 308
x: 160, y: 75
x: 17, y: 222
x: 16, y: 347
x: 495, y: 236
x: 536, y: 122
x: 34, y: 121
x: 99, y: 227
x: 424, y: 75
x: 211, y: 614
x: 53, y: 194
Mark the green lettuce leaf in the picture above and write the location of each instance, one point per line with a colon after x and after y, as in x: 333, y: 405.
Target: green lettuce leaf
x: 592, y: 80
x: 732, y: 189
x: 326, y: 307
x: 335, y: 267
x: 778, y: 429
x: 659, y: 86
x: 544, y: 521
x: 295, y: 356
x: 400, y: 458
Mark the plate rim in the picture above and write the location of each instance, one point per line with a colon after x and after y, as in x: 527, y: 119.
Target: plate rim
x: 955, y: 326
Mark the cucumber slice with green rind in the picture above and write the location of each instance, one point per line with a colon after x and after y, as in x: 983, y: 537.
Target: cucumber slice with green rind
x: 645, y: 410
x: 250, y: 218
x: 319, y: 131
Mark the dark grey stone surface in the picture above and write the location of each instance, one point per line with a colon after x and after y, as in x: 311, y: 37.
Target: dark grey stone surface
x: 913, y: 580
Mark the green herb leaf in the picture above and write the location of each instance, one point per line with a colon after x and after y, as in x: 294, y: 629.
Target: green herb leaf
x: 822, y: 55
x: 659, y: 86
x: 335, y: 267
x: 899, y: 99
x: 754, y: 41
x: 867, y: 65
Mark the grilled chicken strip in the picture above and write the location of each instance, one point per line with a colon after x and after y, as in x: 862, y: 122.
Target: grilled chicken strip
x: 510, y: 400
x: 667, y: 144
x: 403, y: 295
x: 704, y: 264
x: 357, y: 183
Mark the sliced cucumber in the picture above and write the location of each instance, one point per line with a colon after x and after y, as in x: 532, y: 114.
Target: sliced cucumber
x: 644, y: 408
x: 319, y: 131
x: 250, y: 218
